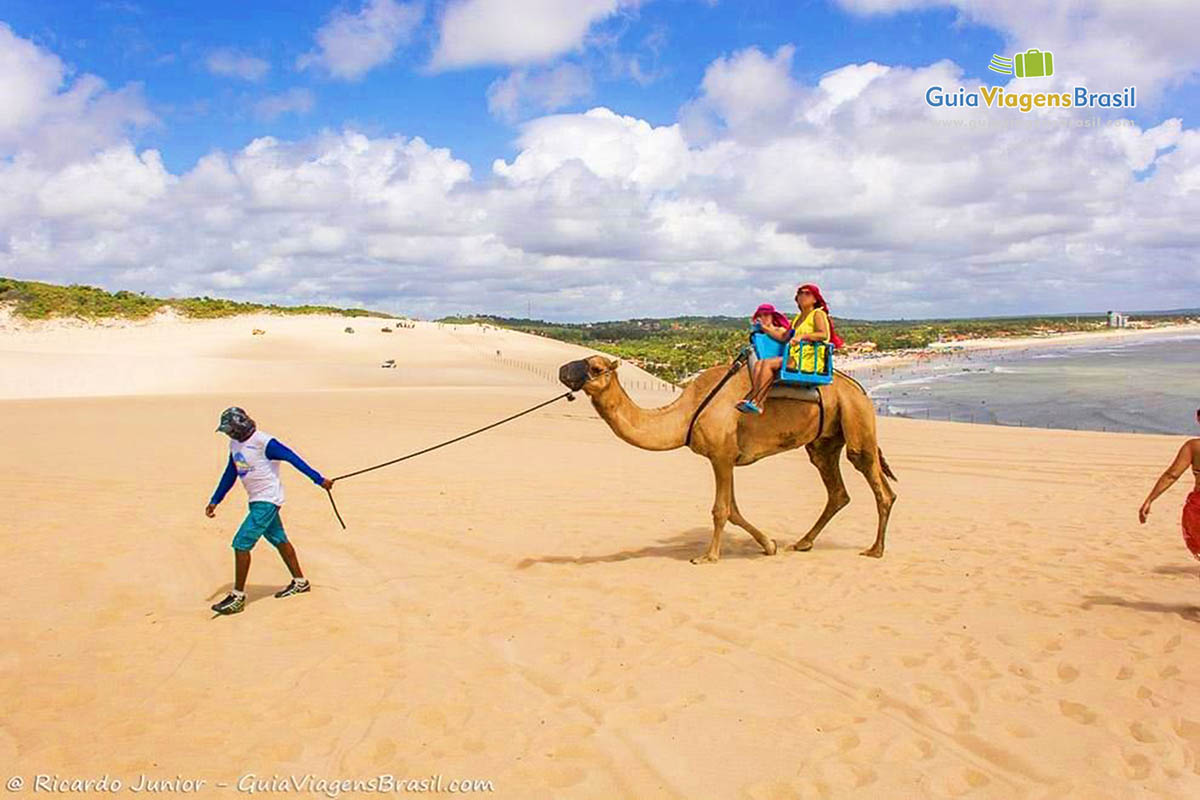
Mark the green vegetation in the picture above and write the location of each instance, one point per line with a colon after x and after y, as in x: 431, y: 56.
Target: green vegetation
x: 34, y: 300
x: 675, y: 348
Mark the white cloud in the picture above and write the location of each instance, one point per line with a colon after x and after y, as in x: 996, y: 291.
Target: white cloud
x: 851, y: 181
x: 43, y: 116
x: 234, y: 64
x: 1109, y: 43
x: 747, y: 91
x: 296, y: 100
x: 516, y: 32
x: 350, y: 45
x: 522, y: 91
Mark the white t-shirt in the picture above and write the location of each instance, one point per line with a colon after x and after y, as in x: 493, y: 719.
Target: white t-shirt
x: 259, y: 474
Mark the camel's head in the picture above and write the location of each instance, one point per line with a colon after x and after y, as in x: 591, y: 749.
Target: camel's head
x: 592, y: 374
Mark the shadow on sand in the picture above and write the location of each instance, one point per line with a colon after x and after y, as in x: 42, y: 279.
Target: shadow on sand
x: 685, y: 546
x: 1191, y: 613
x: 1178, y: 569
x: 254, y: 592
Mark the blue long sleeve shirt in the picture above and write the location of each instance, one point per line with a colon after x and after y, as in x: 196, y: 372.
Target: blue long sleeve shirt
x: 276, y: 451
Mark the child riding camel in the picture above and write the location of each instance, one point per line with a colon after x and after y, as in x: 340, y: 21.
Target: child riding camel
x: 812, y: 324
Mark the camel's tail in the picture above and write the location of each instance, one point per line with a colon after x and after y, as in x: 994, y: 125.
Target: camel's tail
x: 887, y: 470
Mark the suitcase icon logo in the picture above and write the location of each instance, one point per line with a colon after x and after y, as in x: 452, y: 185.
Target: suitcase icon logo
x: 1033, y: 63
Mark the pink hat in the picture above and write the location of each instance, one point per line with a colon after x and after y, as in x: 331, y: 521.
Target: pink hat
x: 777, y: 319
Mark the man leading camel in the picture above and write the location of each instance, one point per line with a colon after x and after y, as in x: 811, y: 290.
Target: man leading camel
x: 254, y: 457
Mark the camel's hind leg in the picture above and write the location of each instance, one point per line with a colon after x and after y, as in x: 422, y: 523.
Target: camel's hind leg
x: 867, y: 462
x: 826, y: 456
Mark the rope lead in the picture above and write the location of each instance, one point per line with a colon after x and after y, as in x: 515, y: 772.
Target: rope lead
x: 570, y: 396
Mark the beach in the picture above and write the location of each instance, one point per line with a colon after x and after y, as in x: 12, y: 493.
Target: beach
x: 1140, y: 384
x: 519, y: 608
x: 866, y: 362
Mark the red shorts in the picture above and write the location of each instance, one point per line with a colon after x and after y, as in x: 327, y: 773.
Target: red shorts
x: 1191, y: 523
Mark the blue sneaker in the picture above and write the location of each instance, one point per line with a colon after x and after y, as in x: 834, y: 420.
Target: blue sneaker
x: 748, y: 407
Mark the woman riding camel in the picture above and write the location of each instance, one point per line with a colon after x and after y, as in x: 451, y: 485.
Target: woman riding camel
x: 812, y: 324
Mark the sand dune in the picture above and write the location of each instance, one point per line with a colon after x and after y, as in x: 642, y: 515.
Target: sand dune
x: 520, y: 607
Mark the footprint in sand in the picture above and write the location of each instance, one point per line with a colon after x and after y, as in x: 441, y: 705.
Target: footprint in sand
x: 560, y: 776
x: 905, y: 751
x: 772, y: 790
x: 1067, y: 673
x: 957, y: 781
x: 1189, y: 730
x: 1146, y: 694
x: 651, y: 716
x: 1137, y: 767
x: 1077, y: 712
x: 931, y: 696
x: 385, y: 752
x: 1019, y: 731
x: 849, y: 741
x: 1143, y: 732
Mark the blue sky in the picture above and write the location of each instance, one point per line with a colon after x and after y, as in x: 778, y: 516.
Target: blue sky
x: 736, y: 149
x: 163, y: 45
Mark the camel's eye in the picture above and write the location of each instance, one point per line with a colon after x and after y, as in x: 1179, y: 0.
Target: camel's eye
x: 594, y: 370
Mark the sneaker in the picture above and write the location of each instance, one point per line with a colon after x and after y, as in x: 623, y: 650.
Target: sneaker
x: 748, y: 407
x: 232, y: 604
x: 295, y: 587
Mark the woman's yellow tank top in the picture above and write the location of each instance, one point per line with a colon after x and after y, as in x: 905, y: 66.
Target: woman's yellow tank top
x: 809, y: 325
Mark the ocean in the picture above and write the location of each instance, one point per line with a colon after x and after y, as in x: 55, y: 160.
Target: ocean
x: 1147, y: 385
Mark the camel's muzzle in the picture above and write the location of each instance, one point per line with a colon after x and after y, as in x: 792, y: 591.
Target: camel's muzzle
x: 573, y: 374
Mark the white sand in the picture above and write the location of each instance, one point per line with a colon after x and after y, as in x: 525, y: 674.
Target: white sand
x: 520, y: 607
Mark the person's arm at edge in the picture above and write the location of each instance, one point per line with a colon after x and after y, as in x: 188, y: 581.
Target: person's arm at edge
x: 1182, y: 460
x: 278, y: 451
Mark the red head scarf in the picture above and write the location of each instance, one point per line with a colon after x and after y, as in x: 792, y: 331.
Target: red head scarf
x: 777, y: 319
x: 821, y: 304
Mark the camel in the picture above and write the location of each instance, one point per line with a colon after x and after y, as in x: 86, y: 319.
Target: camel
x: 728, y: 439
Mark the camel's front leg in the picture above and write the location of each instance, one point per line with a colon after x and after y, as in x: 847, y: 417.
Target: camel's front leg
x: 722, y: 503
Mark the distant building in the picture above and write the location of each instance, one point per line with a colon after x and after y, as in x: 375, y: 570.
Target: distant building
x: 1117, y: 320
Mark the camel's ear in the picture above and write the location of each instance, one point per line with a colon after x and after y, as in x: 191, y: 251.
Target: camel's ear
x: 613, y: 363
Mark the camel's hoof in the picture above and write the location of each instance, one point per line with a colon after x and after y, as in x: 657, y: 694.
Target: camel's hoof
x: 874, y: 552
x: 803, y: 546
x: 771, y: 547
x: 705, y: 559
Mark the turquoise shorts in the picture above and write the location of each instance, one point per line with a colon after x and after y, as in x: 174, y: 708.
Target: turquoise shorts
x: 262, y: 520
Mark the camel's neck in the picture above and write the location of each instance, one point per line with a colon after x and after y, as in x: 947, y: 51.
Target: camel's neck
x: 662, y: 428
